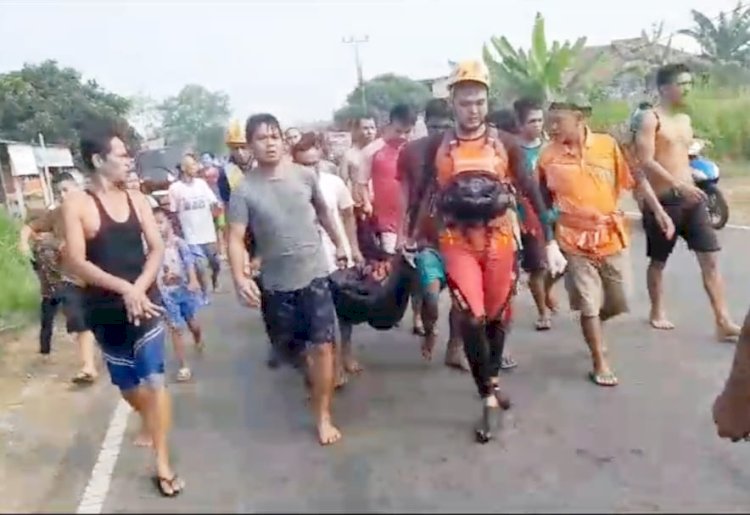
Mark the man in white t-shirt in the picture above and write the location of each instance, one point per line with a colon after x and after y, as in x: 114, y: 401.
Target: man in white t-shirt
x: 340, y: 204
x: 192, y: 199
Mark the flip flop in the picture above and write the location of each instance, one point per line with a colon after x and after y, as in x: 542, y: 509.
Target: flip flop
x: 174, y: 485
x: 83, y: 378
x: 484, y: 430
x: 608, y: 380
x: 507, y: 363
x: 184, y: 374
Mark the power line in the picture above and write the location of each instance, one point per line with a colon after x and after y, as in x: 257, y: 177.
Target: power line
x: 352, y: 40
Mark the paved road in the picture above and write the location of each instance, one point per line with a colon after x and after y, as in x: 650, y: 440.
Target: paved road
x: 243, y: 443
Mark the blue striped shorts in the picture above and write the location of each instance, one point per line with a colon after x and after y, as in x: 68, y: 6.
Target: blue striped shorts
x: 134, y: 354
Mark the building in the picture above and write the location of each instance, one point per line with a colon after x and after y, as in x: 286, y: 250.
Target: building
x: 26, y: 172
x: 438, y: 86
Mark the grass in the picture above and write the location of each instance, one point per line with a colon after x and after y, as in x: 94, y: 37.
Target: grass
x: 19, y: 288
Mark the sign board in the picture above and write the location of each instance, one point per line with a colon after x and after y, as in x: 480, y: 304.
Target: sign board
x: 53, y: 157
x: 22, y: 160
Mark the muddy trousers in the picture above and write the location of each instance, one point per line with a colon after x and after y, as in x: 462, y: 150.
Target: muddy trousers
x: 483, y: 344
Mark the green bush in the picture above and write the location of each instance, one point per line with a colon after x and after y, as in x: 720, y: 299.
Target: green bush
x: 720, y: 115
x: 19, y: 288
x: 723, y: 117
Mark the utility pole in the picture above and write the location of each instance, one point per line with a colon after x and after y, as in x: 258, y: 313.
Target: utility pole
x: 352, y: 40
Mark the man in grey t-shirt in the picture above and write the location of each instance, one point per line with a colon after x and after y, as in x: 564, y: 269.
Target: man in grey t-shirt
x: 281, y: 206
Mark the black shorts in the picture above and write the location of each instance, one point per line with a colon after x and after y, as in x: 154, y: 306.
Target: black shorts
x: 532, y: 253
x: 305, y: 315
x: 691, y: 222
x: 71, y: 297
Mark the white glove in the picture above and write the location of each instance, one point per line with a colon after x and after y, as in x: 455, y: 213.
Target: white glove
x: 556, y: 262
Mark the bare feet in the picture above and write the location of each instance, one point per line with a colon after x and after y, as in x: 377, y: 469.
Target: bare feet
x: 552, y: 304
x: 428, y: 345
x: 456, y: 358
x: 143, y: 439
x: 341, y: 380
x: 728, y: 332
x: 328, y: 433
x: 661, y: 322
x: 352, y: 366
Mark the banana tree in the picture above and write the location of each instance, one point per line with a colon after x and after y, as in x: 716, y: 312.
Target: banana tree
x: 542, y: 71
x: 727, y: 40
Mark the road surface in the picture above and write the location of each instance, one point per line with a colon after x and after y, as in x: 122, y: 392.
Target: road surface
x: 243, y: 441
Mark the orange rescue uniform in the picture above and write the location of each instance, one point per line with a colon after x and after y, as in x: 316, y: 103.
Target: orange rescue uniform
x: 479, y: 261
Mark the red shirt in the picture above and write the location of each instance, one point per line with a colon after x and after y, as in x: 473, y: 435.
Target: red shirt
x: 387, y: 205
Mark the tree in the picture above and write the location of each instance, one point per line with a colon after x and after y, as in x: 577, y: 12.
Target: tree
x: 144, y: 115
x: 44, y: 98
x: 727, y: 40
x: 542, y: 72
x: 196, y: 117
x: 382, y: 93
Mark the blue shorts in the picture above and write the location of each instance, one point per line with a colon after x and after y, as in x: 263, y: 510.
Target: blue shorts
x: 430, y: 268
x: 305, y: 316
x: 180, y: 305
x: 134, y: 354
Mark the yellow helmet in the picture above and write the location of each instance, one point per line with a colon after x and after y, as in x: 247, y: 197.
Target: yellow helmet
x: 235, y: 134
x: 470, y: 71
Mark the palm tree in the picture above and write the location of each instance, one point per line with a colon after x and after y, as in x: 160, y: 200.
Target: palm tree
x: 725, y: 41
x: 543, y: 71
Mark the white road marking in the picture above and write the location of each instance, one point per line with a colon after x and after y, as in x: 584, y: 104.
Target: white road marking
x: 638, y: 216
x: 96, y: 490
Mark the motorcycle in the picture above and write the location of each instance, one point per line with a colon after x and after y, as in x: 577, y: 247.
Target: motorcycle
x: 706, y: 176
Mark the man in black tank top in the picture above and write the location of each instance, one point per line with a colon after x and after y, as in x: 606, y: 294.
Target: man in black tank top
x: 104, y: 230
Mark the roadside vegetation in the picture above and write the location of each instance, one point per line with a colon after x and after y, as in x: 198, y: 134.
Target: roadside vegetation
x: 19, y: 288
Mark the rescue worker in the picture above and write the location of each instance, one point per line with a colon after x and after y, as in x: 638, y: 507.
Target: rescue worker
x: 477, y: 168
x: 240, y: 161
x: 583, y: 174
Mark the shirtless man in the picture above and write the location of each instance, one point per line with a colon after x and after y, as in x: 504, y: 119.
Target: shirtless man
x: 363, y: 133
x: 662, y: 137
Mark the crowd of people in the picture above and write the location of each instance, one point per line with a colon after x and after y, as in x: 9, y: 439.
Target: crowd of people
x: 482, y: 198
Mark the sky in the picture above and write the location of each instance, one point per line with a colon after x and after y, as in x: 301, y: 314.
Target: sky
x: 288, y: 57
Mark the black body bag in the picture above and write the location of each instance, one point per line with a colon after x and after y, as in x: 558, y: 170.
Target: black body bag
x: 360, y: 298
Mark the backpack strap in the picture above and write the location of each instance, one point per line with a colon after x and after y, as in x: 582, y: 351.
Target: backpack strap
x: 427, y: 178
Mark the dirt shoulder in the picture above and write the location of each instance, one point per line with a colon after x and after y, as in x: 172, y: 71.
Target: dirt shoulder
x: 737, y: 191
x: 49, y: 428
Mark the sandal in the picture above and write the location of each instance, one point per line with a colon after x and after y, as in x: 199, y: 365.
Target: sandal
x: 608, y: 379
x: 184, y: 374
x: 83, y: 378
x: 175, y: 485
x: 487, y: 424
x: 507, y: 363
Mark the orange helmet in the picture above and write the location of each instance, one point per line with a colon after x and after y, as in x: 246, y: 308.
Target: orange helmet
x: 470, y: 71
x: 235, y: 134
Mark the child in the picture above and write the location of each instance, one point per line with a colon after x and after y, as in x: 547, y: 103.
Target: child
x: 180, y: 290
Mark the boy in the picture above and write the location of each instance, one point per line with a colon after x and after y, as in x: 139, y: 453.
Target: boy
x: 179, y: 287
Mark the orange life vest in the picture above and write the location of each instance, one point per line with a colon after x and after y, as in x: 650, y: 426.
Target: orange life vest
x: 490, y: 157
